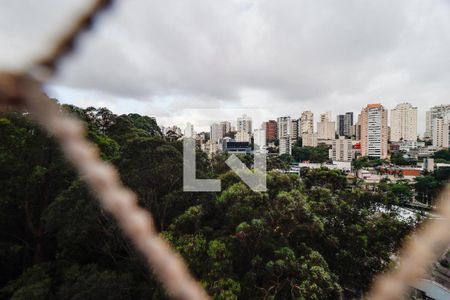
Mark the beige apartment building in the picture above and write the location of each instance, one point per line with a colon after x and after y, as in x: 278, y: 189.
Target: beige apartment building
x: 326, y: 129
x: 440, y: 133
x: 342, y: 149
x: 374, y: 131
x: 404, y: 123
x: 306, y: 123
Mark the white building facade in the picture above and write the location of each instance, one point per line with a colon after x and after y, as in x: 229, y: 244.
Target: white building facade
x: 284, y: 127
x: 310, y: 140
x: 259, y: 140
x: 404, y: 123
x: 342, y: 149
x: 285, y: 145
x: 306, y: 123
x: 243, y: 136
x: 326, y: 129
x: 244, y: 123
x: 216, y: 133
x: 440, y: 133
x: 189, y: 130
x: 436, y: 112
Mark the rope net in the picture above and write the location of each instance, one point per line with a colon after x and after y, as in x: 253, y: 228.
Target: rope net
x: 24, y: 91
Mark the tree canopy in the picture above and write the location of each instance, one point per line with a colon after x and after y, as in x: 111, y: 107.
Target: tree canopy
x: 317, y: 154
x: 310, y: 237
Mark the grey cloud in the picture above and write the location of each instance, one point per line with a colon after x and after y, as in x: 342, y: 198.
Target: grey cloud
x: 306, y: 54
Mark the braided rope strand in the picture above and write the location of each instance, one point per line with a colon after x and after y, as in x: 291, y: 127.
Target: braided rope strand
x: 419, y: 251
x: 67, y: 42
x: 121, y: 202
x: 20, y: 91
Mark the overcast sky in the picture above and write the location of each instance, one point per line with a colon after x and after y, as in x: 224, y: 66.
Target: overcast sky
x: 280, y: 56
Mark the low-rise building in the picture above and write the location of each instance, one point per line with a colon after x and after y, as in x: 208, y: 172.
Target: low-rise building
x: 310, y: 139
x: 428, y: 164
x: 422, y: 152
x: 243, y: 136
x: 210, y: 148
x: 408, y: 145
x: 336, y: 165
x: 404, y: 171
x: 342, y: 149
x: 235, y: 147
x: 441, y: 133
x: 285, y: 145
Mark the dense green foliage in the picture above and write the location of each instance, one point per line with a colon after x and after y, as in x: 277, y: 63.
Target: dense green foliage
x: 396, y: 193
x: 367, y: 162
x: 314, y: 237
x: 317, y: 154
x: 442, y: 156
x: 401, y: 159
x: 429, y: 185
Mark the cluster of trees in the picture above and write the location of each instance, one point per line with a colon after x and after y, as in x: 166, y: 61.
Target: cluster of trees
x: 428, y: 186
x: 397, y: 193
x: 400, y: 158
x: 442, y: 156
x: 317, y: 154
x: 313, y: 237
x: 425, y: 188
x: 367, y: 162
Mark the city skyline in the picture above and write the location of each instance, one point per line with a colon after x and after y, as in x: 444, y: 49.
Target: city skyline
x: 179, y: 116
x: 208, y: 149
x: 371, y: 136
x: 315, y: 122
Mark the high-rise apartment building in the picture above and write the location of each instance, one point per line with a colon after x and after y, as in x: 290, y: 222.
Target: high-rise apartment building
x: 404, y: 123
x: 244, y: 123
x: 284, y: 127
x: 216, y: 133
x: 340, y: 121
x: 428, y: 133
x: 189, y: 130
x: 271, y: 130
x: 440, y: 133
x: 325, y: 116
x: 259, y: 140
x: 243, y: 136
x: 326, y: 129
x: 295, y: 129
x: 348, y: 124
x: 356, y: 131
x: 285, y: 145
x: 309, y: 140
x: 436, y: 112
x: 306, y: 123
x: 342, y: 149
x: 225, y: 127
x: 344, y: 124
x: 210, y: 148
x: 374, y: 131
